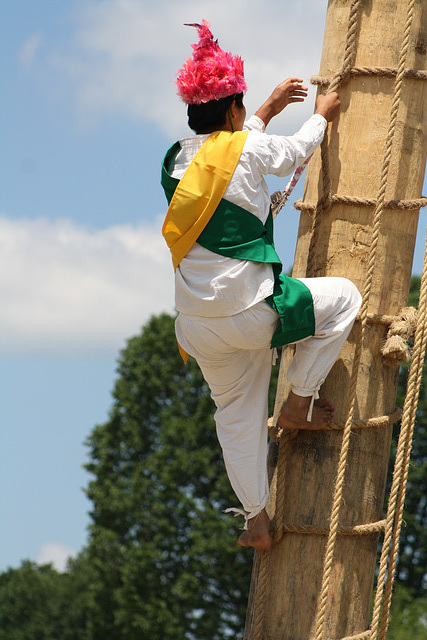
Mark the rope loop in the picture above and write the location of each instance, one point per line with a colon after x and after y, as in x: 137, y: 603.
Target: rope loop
x: 405, y: 205
x: 275, y: 431
x: 380, y: 72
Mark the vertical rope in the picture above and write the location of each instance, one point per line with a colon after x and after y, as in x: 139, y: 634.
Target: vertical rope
x: 338, y: 79
x: 349, y: 57
x: 397, y: 492
x: 284, y: 442
x: 323, y: 204
x: 330, y: 547
x: 350, y: 47
x: 265, y: 556
x: 258, y: 622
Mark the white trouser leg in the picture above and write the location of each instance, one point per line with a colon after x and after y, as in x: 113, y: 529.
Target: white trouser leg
x: 235, y: 358
x: 336, y: 304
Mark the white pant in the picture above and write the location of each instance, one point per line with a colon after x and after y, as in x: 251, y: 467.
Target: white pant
x: 235, y: 358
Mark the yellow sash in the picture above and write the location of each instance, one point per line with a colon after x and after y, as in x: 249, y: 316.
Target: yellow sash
x: 200, y: 191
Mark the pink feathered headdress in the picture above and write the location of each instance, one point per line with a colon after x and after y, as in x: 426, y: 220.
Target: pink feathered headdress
x: 211, y: 73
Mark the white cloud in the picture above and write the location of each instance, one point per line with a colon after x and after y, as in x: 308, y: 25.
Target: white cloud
x: 56, y: 554
x: 68, y: 289
x: 123, y: 54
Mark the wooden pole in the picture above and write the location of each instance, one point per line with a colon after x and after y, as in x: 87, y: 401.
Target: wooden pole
x: 286, y: 586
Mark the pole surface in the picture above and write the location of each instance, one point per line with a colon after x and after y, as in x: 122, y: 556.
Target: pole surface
x: 290, y: 599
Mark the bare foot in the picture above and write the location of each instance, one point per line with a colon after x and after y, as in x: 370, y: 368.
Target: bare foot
x: 258, y: 534
x: 295, y: 409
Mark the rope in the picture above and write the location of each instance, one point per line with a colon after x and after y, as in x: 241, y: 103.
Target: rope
x: 284, y: 445
x: 378, y: 318
x: 379, y: 421
x: 382, y: 72
x: 363, y: 202
x: 326, y: 201
x: 330, y: 547
x: 260, y: 599
x: 358, y: 530
x: 376, y: 422
x: 395, y: 350
x: 349, y: 58
x: 397, y: 493
x: 277, y: 533
x: 359, y: 636
x: 393, y: 522
x: 350, y: 47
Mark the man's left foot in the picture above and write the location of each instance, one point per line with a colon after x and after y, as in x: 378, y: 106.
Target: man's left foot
x: 295, y: 409
x: 258, y: 534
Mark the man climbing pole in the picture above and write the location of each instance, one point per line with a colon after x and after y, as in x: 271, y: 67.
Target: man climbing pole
x: 234, y: 303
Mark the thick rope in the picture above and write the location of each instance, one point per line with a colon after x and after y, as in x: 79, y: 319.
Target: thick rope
x: 330, y: 547
x: 284, y: 445
x: 404, y: 205
x: 368, y: 529
x: 384, y: 72
x: 378, y: 318
x: 397, y: 493
x: 371, y: 423
x: 378, y: 421
x: 336, y: 82
x: 360, y: 636
x: 395, y: 349
x: 261, y: 594
x: 411, y: 416
x: 350, y: 47
x: 277, y: 533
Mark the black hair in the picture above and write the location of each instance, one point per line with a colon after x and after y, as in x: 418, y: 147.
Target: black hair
x: 203, y: 118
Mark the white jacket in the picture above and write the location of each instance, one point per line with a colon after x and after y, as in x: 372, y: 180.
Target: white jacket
x: 210, y: 285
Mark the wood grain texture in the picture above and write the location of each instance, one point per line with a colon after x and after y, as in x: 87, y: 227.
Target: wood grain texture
x: 356, y: 151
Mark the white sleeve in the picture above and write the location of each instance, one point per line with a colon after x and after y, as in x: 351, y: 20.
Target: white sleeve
x: 281, y: 155
x: 255, y: 123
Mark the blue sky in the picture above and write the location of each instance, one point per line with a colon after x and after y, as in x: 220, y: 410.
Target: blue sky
x: 88, y: 109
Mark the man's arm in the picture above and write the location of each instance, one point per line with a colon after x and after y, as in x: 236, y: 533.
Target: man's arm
x: 291, y: 90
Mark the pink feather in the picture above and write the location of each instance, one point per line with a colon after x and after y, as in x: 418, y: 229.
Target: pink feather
x: 211, y: 73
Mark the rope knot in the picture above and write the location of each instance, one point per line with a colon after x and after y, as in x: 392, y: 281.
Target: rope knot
x: 395, y: 350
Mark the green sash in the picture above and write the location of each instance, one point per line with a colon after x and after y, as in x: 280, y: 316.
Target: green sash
x: 200, y: 190
x: 236, y: 233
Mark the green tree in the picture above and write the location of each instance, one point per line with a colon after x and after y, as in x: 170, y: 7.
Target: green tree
x: 39, y: 603
x: 164, y: 552
x: 27, y: 610
x: 408, y: 616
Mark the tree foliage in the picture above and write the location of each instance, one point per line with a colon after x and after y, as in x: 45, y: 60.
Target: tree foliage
x: 165, y: 551
x: 408, y: 615
x: 39, y: 603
